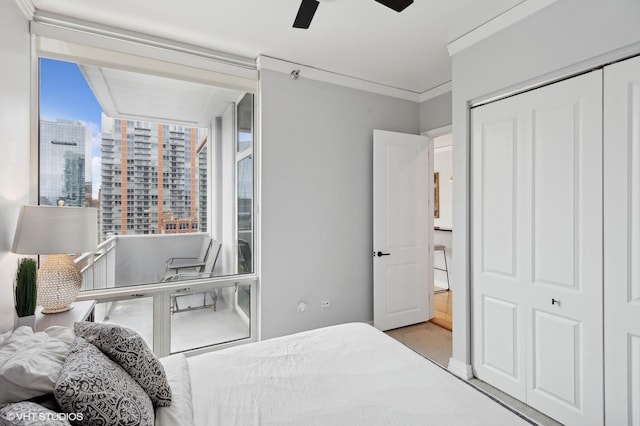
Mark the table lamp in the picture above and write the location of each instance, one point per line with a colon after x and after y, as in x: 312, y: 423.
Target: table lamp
x: 56, y: 231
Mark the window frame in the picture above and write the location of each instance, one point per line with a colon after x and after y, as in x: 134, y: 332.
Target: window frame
x: 238, y: 157
x: 203, y: 66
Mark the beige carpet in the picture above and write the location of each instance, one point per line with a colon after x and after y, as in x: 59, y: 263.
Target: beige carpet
x: 428, y: 339
x: 434, y: 342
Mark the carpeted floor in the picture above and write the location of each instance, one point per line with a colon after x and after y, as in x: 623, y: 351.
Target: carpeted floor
x: 434, y: 343
x: 428, y: 339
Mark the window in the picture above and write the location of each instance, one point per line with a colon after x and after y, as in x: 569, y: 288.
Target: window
x: 158, y: 191
x: 144, y: 177
x: 244, y: 184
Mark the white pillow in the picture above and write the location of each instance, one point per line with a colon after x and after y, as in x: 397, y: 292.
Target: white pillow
x: 180, y: 412
x: 30, y: 363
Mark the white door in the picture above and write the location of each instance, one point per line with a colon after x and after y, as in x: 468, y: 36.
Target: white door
x: 499, y: 267
x: 622, y: 242
x: 537, y: 248
x: 401, y: 250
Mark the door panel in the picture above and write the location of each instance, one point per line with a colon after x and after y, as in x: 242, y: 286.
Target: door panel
x: 567, y: 283
x: 402, y: 182
x: 555, y: 184
x: 404, y: 295
x: 500, y: 334
x: 622, y: 242
x: 498, y: 314
x: 400, y: 216
x: 537, y: 247
x: 499, y: 186
x: 555, y: 340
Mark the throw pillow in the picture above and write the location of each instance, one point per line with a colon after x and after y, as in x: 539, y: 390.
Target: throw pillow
x: 129, y: 350
x: 93, y: 386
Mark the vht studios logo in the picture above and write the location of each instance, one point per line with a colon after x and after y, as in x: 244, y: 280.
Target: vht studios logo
x: 43, y: 417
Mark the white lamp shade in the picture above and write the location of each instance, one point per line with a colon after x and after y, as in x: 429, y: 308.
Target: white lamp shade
x: 56, y: 230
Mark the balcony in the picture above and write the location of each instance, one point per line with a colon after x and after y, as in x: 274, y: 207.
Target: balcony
x: 126, y: 274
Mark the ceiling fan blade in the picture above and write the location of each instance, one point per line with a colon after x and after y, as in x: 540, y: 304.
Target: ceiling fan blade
x: 397, y: 5
x: 305, y: 13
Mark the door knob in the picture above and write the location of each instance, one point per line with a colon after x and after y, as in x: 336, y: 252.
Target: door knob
x: 555, y: 302
x: 380, y: 254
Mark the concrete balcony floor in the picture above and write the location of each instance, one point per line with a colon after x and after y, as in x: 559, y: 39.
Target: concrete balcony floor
x: 193, y: 327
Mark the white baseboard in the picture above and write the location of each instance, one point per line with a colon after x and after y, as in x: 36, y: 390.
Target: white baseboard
x: 460, y: 369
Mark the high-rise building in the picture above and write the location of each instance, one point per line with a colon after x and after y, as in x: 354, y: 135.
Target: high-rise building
x: 202, y: 185
x: 148, y: 177
x: 65, y: 149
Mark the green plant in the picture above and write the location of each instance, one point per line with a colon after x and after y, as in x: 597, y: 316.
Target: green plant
x: 26, y: 289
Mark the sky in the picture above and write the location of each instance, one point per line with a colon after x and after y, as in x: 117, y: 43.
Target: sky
x: 64, y: 93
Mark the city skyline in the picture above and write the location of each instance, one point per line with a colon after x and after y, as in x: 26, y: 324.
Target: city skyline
x: 65, y: 100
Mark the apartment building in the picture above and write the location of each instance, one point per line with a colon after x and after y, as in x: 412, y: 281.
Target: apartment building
x: 149, y: 180
x: 202, y: 186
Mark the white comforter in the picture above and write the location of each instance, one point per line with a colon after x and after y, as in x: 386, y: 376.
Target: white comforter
x: 350, y: 374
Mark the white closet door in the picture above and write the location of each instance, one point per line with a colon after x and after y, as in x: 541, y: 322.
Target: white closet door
x: 537, y: 248
x: 622, y: 242
x: 564, y: 292
x: 499, y: 247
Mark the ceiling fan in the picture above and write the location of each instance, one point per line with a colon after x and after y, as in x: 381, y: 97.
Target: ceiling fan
x: 308, y: 9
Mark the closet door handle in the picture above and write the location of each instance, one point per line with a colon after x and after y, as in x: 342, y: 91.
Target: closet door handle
x: 380, y: 254
x: 555, y: 302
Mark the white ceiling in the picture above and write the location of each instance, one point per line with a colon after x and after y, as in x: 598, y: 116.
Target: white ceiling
x: 130, y: 95
x: 357, y: 38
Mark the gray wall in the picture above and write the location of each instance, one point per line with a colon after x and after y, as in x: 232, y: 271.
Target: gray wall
x: 14, y: 144
x: 317, y: 199
x: 567, y: 36
x: 435, y: 112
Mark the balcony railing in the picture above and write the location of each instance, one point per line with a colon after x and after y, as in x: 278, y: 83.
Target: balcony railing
x: 208, y: 310
x: 99, y: 269
x: 125, y: 260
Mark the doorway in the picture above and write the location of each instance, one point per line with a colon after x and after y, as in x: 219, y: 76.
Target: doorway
x: 433, y: 338
x: 442, y: 228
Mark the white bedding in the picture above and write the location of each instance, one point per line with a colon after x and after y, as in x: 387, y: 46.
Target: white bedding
x: 350, y: 374
x: 180, y: 412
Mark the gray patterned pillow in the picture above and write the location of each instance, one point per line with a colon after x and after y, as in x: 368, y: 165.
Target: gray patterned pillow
x: 129, y: 350
x: 92, y: 385
x: 31, y: 414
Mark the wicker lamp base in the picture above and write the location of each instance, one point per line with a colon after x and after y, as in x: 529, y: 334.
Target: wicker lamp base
x: 59, y: 281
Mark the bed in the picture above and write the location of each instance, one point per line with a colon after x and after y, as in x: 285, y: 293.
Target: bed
x: 350, y: 374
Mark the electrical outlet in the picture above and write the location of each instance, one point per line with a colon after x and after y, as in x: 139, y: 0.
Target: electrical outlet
x: 302, y: 307
x: 325, y: 304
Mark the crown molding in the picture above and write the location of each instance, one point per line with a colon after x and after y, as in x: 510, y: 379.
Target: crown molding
x: 436, y: 91
x: 500, y: 22
x: 275, y: 64
x: 27, y: 8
